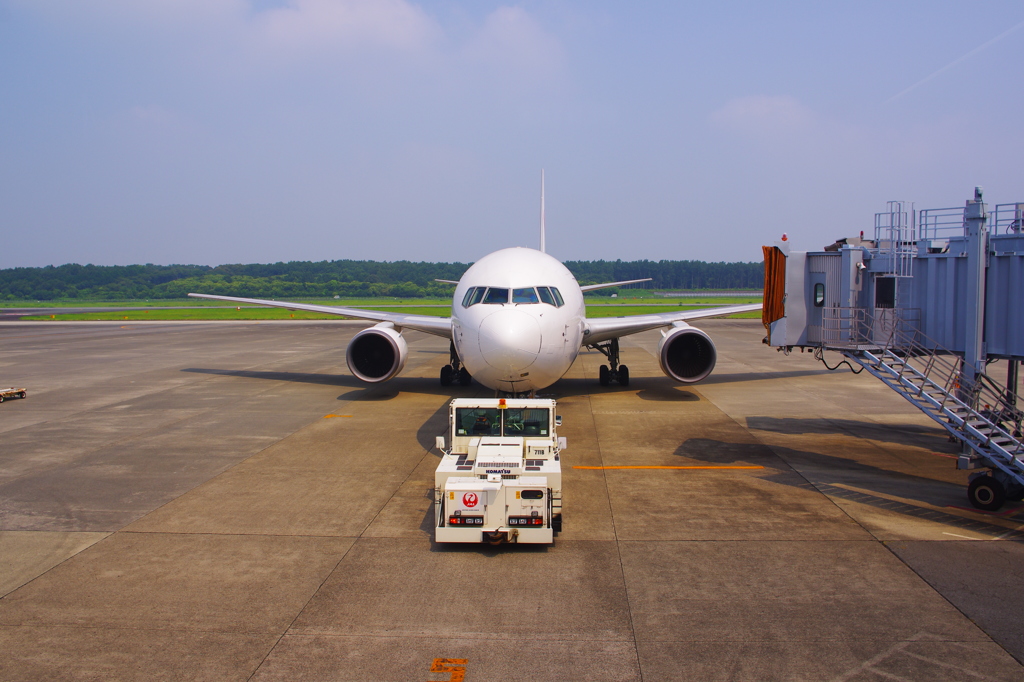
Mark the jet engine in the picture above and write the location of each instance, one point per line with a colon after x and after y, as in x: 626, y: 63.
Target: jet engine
x: 377, y: 354
x: 686, y: 354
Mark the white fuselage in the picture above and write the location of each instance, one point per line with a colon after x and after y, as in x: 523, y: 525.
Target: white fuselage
x: 518, y: 345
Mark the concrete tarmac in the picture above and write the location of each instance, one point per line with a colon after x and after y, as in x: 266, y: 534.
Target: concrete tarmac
x: 223, y: 501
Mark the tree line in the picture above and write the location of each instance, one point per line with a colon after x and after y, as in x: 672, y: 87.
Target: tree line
x: 343, y: 278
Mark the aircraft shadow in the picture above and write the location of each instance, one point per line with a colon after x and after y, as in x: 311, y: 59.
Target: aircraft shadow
x: 362, y: 391
x: 902, y: 434
x: 875, y: 486
x: 760, y: 376
x: 647, y: 388
x: 305, y: 378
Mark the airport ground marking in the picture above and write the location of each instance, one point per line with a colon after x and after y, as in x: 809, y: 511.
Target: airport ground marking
x: 963, y: 536
x: 658, y: 466
x: 455, y: 666
x: 328, y: 416
x: 1004, y: 514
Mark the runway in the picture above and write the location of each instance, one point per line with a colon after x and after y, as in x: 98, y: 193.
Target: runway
x: 223, y: 501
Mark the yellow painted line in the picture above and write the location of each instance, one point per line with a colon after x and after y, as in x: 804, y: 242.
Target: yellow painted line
x: 670, y: 467
x: 328, y: 416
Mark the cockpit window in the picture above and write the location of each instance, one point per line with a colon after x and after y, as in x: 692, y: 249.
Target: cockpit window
x: 528, y: 295
x: 496, y: 296
x: 473, y: 296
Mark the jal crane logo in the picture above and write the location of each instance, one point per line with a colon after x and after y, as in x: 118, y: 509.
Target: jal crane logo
x: 470, y: 499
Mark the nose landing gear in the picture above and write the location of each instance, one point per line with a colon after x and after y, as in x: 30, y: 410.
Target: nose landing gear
x: 454, y: 371
x: 618, y: 373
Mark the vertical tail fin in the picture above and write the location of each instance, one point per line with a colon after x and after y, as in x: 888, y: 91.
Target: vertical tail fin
x: 543, y: 248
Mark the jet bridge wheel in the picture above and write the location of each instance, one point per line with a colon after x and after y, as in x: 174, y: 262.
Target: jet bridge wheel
x: 985, y: 492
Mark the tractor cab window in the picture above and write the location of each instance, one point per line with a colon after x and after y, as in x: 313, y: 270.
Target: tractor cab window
x: 477, y: 421
x: 486, y: 421
x: 526, y: 422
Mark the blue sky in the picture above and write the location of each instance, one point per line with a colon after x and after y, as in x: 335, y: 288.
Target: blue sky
x: 227, y: 131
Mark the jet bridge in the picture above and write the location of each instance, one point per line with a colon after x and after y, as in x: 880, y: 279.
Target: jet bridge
x: 925, y: 304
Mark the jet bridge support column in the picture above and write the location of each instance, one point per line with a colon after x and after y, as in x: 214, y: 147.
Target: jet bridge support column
x: 975, y: 217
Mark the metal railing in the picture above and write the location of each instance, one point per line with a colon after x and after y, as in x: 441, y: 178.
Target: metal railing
x: 897, y: 331
x: 1007, y: 218
x: 896, y: 237
x: 851, y: 328
x: 941, y: 223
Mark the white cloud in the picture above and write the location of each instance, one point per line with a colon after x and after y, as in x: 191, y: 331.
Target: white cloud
x: 297, y: 26
x: 240, y: 39
x: 332, y: 24
x: 511, y: 43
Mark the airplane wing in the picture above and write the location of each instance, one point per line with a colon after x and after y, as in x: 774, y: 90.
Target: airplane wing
x: 604, y: 328
x: 438, y: 326
x: 591, y: 287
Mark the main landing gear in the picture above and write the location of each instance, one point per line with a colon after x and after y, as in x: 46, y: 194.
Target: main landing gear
x: 616, y: 372
x: 455, y: 371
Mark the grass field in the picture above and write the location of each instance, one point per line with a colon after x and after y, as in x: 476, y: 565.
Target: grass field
x: 439, y: 308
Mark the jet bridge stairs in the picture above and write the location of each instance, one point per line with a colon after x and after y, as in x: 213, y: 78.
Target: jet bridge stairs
x: 926, y: 306
x: 981, y: 414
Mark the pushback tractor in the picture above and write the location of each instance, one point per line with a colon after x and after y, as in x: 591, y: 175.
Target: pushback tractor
x: 500, y: 481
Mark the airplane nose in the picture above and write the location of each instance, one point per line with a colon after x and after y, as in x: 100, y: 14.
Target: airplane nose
x: 509, y: 340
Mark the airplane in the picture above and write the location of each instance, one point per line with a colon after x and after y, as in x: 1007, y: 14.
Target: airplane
x: 518, y: 322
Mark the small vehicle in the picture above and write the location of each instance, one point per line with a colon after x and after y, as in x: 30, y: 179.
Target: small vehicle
x: 501, y: 479
x: 9, y: 393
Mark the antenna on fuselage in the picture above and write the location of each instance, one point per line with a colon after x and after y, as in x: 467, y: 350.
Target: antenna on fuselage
x: 542, y: 247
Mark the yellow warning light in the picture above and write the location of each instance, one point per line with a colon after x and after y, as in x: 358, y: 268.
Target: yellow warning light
x: 451, y: 496
x: 517, y: 494
x: 501, y: 404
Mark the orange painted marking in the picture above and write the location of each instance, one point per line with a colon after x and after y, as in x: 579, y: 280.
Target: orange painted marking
x: 671, y: 467
x: 328, y: 416
x: 455, y: 666
x: 1006, y: 513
